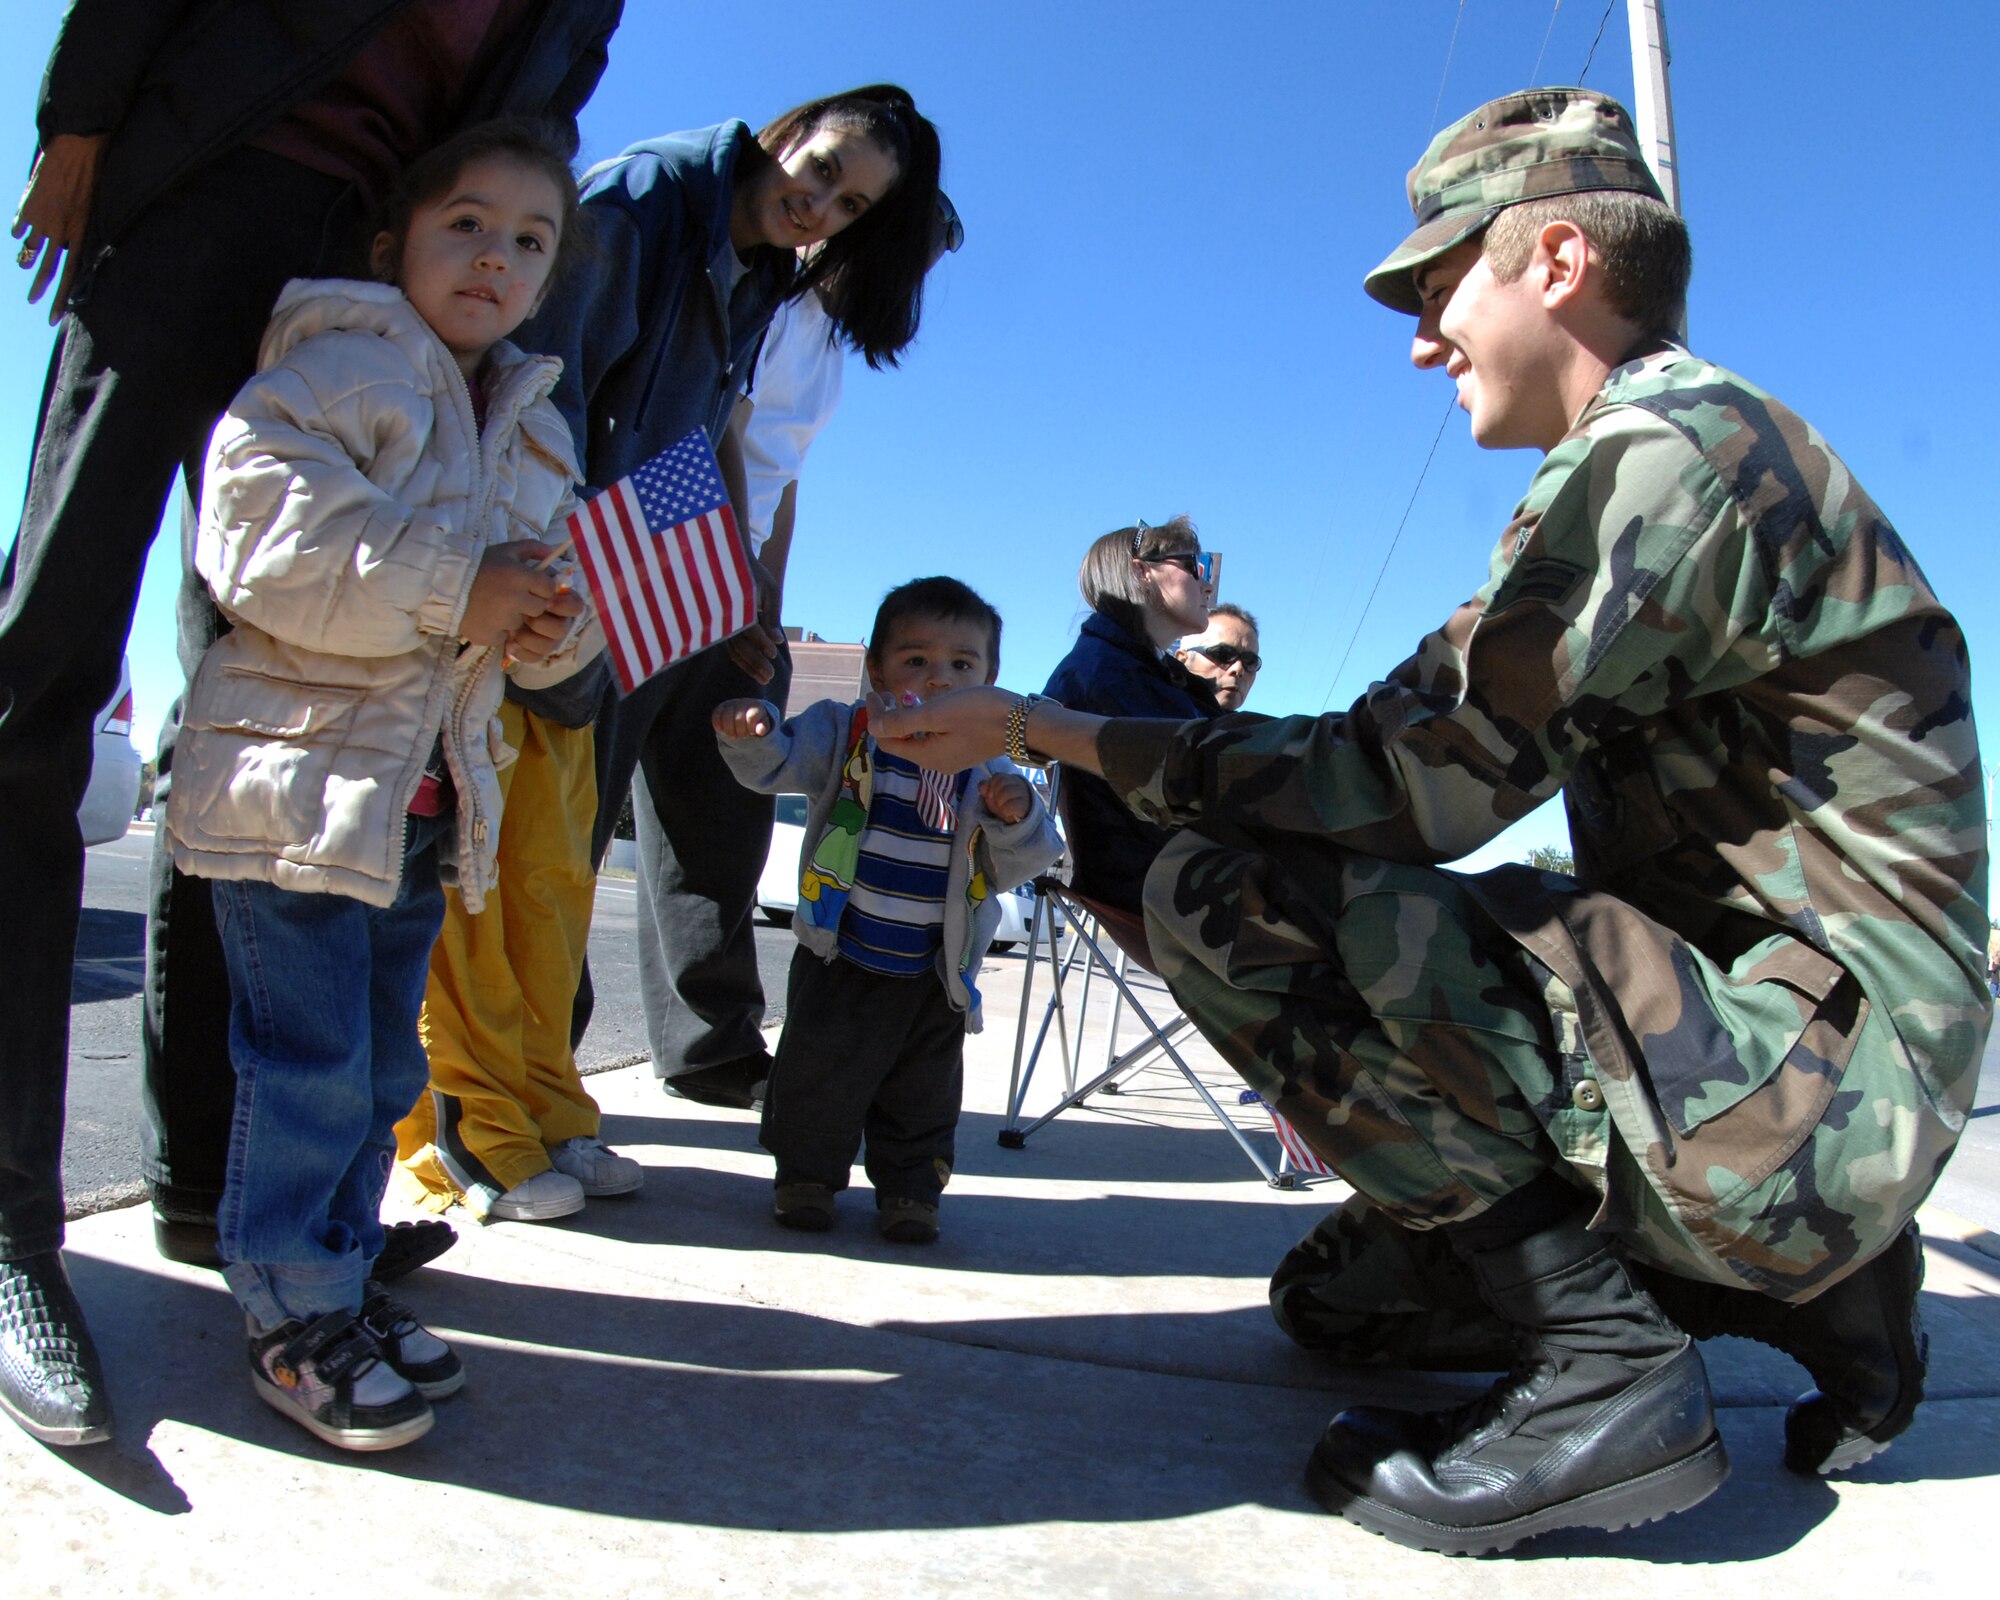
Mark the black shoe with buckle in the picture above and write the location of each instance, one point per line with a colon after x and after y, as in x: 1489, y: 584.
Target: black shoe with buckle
x: 50, y: 1380
x: 184, y: 1230
x: 733, y: 1085
x: 184, y: 1225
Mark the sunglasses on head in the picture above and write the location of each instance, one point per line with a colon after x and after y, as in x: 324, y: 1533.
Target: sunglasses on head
x: 1227, y: 655
x: 950, y: 232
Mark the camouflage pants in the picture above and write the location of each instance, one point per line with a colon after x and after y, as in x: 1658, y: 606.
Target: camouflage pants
x: 1438, y: 1066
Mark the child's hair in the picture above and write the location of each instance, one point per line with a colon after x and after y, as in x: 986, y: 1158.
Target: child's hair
x: 944, y: 598
x: 874, y: 267
x: 543, y: 145
x: 1106, y: 581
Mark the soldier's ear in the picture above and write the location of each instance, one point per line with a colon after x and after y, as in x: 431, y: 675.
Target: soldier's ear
x: 1564, y: 261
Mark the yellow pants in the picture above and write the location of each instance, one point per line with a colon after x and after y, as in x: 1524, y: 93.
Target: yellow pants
x: 504, y: 1084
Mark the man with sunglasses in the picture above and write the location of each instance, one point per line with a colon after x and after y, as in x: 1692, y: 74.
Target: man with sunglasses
x: 1225, y: 653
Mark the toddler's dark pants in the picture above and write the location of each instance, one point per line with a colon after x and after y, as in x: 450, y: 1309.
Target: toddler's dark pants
x: 865, y: 1055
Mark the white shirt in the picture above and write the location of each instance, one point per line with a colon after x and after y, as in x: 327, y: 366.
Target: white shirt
x: 795, y: 390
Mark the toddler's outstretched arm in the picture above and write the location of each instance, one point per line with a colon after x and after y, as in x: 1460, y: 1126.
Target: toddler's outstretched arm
x: 743, y: 719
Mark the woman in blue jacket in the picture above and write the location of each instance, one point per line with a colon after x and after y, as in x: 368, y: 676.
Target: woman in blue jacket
x: 694, y: 242
x: 1145, y: 589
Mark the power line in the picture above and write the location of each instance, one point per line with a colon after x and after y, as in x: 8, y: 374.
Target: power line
x: 1608, y: 4
x: 1535, y: 77
x: 1444, y: 77
x: 1353, y: 638
x: 1450, y: 51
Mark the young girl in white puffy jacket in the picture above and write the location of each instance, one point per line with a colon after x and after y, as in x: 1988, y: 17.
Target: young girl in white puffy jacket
x: 381, y: 522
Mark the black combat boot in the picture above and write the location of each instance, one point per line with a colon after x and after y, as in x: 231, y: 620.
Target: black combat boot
x: 1605, y: 1420
x: 1862, y: 1340
x: 50, y: 1381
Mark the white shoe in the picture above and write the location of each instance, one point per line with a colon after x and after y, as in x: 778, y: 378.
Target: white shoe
x: 595, y: 1165
x: 544, y: 1197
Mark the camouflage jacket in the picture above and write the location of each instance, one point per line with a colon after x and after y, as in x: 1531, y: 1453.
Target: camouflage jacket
x: 1700, y: 628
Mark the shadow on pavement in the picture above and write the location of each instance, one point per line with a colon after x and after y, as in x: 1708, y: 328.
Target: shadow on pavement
x: 1130, y: 1139
x: 736, y: 1416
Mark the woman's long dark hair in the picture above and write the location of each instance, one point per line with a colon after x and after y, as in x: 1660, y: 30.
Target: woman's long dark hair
x: 873, y: 269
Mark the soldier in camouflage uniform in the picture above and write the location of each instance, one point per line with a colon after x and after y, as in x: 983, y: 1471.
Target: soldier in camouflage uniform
x: 1726, y: 1060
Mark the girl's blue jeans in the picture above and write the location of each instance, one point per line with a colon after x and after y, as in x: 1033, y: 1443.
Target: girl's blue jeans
x: 324, y: 997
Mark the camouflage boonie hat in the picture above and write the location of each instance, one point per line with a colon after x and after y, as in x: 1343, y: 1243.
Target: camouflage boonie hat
x: 1519, y: 147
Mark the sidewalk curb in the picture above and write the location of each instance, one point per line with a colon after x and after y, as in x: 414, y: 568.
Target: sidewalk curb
x: 1945, y: 1224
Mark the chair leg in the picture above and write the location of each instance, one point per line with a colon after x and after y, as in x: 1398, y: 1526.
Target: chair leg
x: 1159, y: 1040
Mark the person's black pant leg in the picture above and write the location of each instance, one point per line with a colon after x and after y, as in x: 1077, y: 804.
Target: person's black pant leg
x: 702, y: 841
x: 190, y: 1087
x: 164, y: 334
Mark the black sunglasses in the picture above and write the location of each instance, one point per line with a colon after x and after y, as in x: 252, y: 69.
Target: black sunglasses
x: 1227, y: 655
x: 1197, y: 565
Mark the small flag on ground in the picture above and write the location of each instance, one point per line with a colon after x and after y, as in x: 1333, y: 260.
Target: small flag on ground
x: 1302, y: 1155
x: 666, y: 566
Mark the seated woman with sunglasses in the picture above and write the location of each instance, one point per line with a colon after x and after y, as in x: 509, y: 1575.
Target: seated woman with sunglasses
x: 1225, y: 655
x: 1145, y: 587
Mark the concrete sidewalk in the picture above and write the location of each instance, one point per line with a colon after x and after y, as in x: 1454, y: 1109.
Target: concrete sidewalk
x: 1076, y: 1392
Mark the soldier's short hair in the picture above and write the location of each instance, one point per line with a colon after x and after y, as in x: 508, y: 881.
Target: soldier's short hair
x: 1642, y: 246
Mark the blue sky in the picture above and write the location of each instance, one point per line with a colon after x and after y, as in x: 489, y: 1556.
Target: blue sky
x: 1169, y: 207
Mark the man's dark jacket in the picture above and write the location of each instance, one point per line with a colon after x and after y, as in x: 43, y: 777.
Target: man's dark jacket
x: 176, y: 85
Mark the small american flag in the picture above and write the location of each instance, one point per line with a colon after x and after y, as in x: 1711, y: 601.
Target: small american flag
x: 937, y: 800
x: 1303, y: 1157
x: 667, y: 569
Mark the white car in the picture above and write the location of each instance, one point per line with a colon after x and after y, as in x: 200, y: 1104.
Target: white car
x: 778, y: 888
x: 113, y: 795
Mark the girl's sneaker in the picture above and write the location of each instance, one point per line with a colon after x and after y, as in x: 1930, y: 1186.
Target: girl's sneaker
x: 424, y: 1360
x: 542, y: 1198
x: 329, y: 1377
x: 594, y: 1164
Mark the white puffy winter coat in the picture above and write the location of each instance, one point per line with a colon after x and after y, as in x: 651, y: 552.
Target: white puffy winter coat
x: 348, y: 497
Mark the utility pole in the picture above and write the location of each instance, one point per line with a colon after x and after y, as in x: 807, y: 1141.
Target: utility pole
x: 1654, y: 108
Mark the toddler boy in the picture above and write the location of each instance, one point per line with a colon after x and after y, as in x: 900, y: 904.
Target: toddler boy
x: 897, y: 885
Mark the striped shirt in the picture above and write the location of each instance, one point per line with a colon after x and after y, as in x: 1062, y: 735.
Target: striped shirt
x: 894, y: 920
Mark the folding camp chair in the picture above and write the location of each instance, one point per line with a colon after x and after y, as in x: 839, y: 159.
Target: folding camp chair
x: 1099, y: 932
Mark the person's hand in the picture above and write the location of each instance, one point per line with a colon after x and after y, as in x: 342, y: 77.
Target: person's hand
x: 541, y: 635
x: 511, y: 586
x: 1007, y: 796
x: 53, y: 213
x: 742, y: 719
x: 755, y: 649
x: 949, y: 733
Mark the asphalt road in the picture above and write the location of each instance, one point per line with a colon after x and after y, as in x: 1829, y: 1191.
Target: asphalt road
x: 101, y: 1150
x: 101, y: 1137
